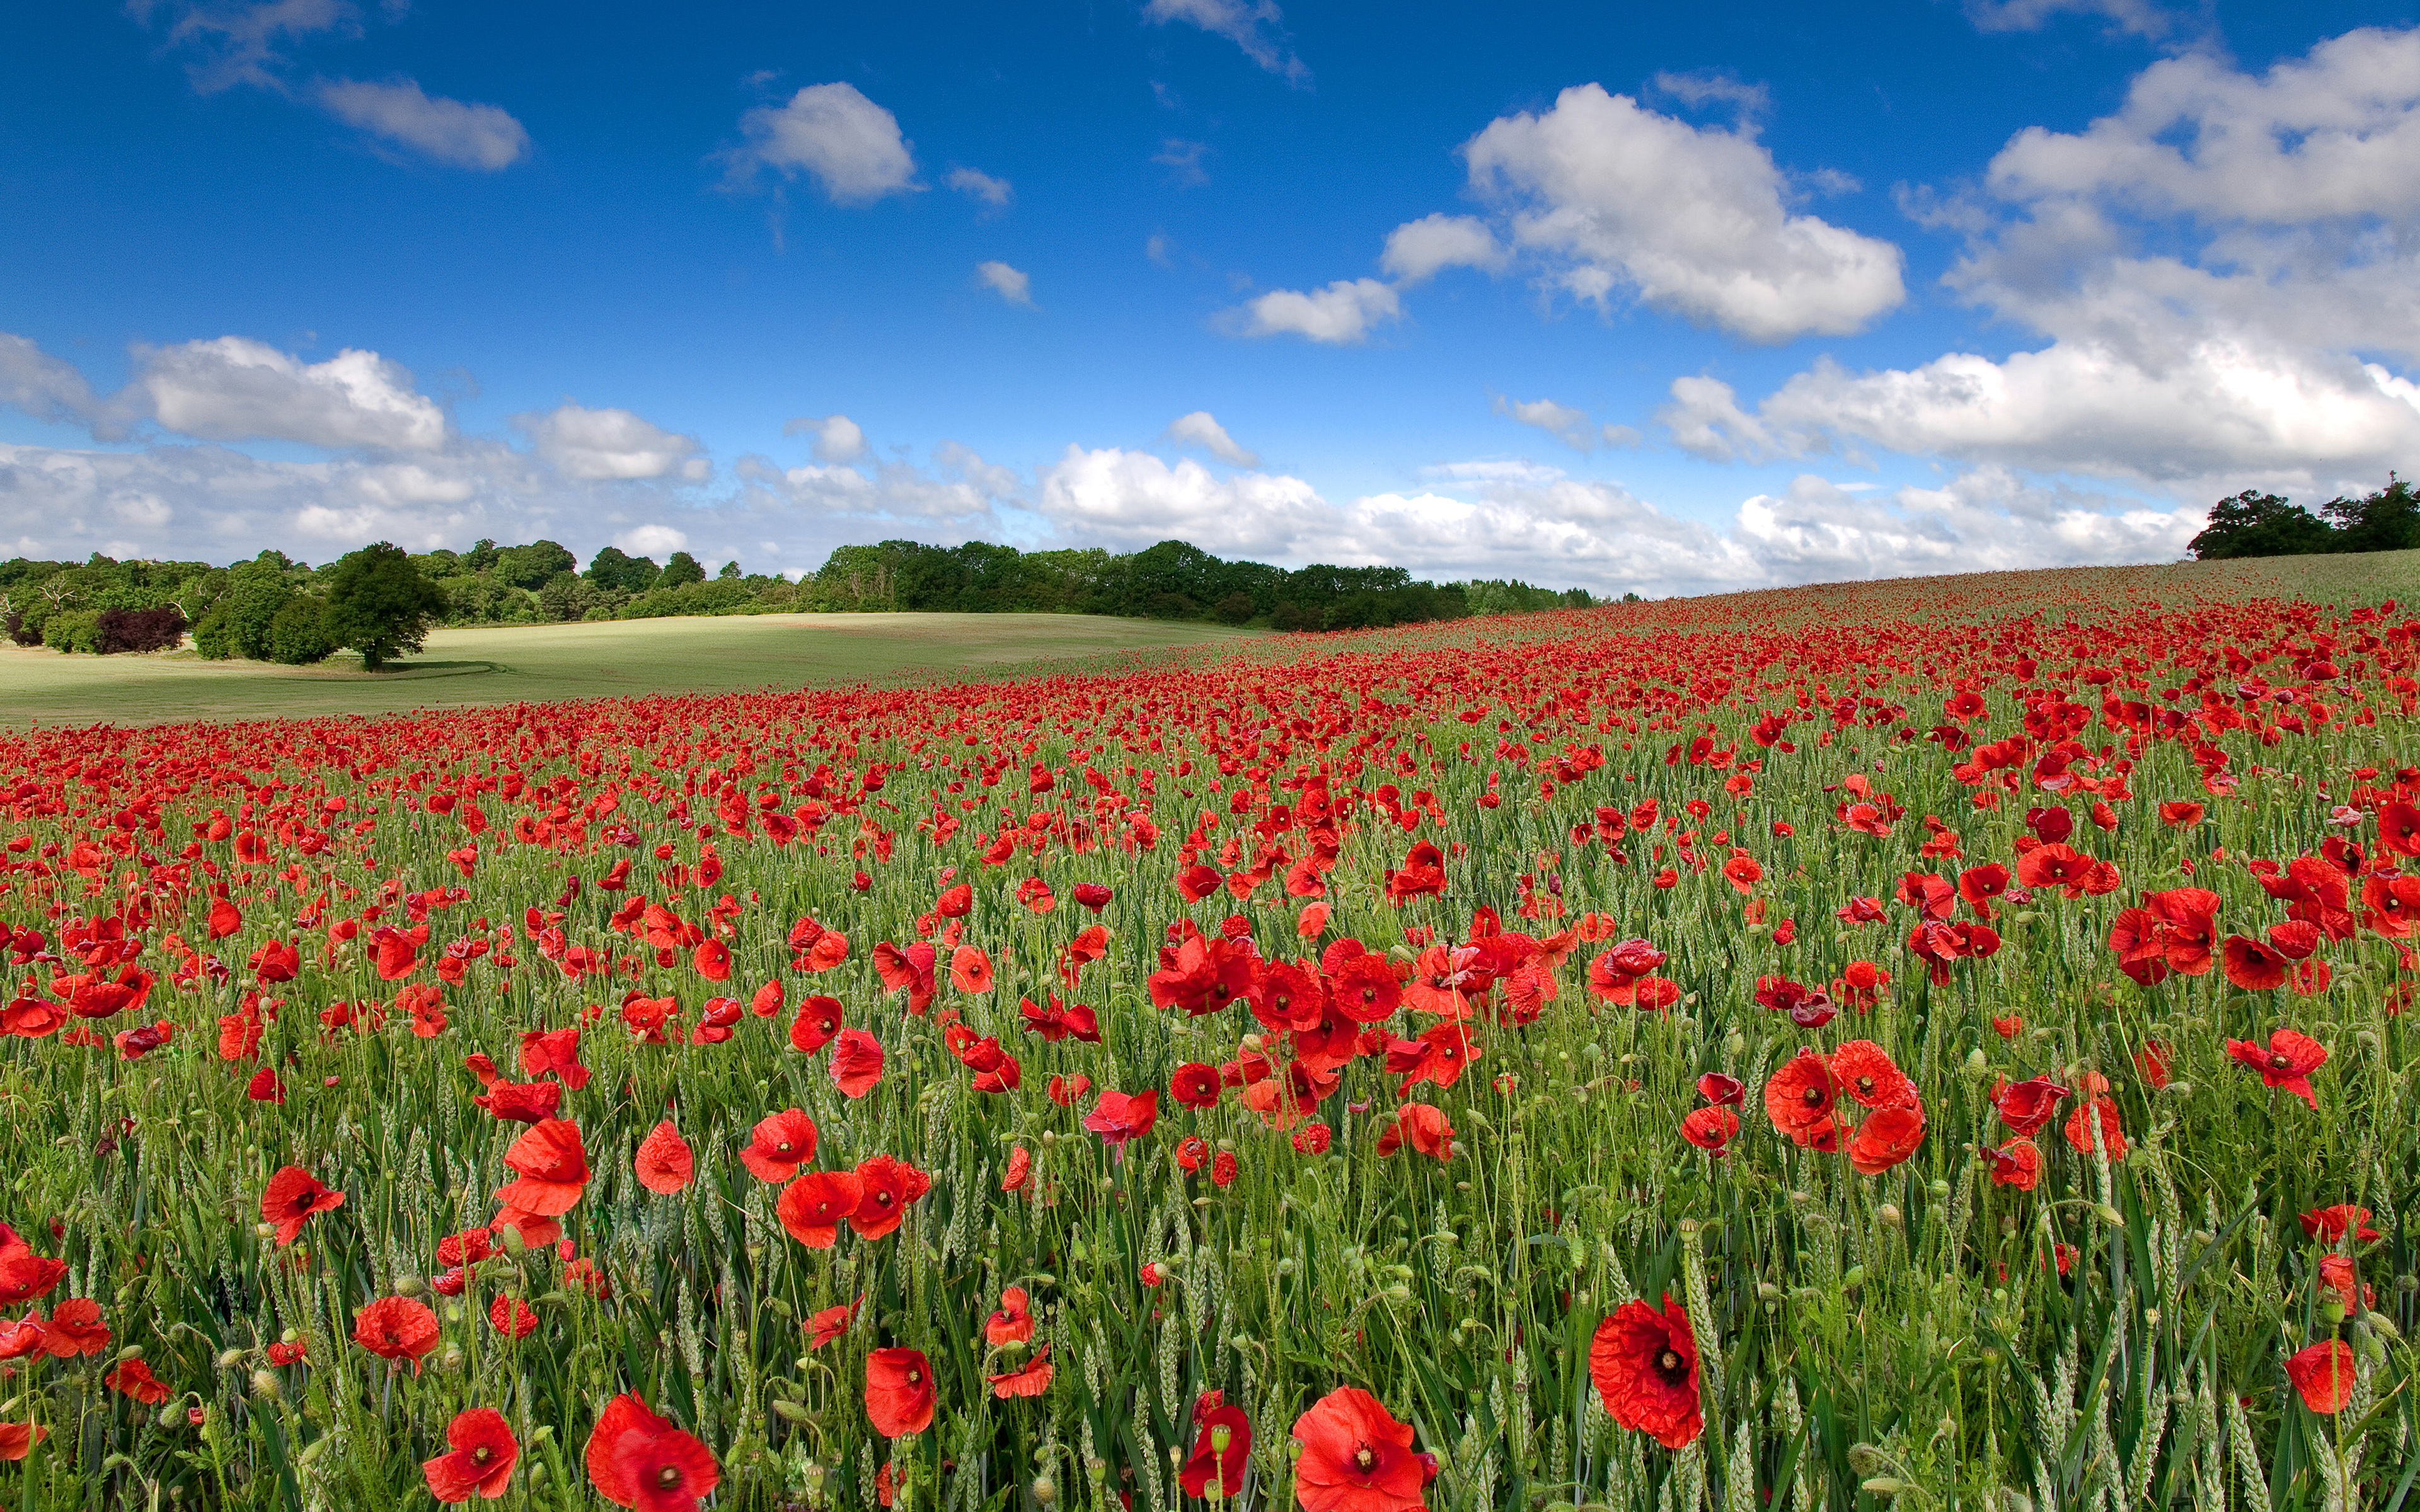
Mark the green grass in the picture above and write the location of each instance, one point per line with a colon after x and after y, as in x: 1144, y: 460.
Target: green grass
x: 541, y: 663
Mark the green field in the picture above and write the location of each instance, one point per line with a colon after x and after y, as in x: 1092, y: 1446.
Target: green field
x: 513, y: 663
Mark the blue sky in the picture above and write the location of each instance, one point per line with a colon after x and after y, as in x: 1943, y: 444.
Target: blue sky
x: 1671, y: 298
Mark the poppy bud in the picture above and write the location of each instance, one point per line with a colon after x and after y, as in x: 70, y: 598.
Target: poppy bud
x: 229, y: 1358
x: 313, y: 1450
x: 264, y: 1230
x: 2178, y: 1089
x: 1044, y: 1490
x: 451, y: 1359
x: 1888, y: 1214
x: 511, y: 1238
x: 2109, y: 1215
x: 265, y: 1385
x: 792, y: 1412
x: 1735, y: 1044
x: 1976, y: 1064
x: 409, y: 1285
x: 171, y: 1415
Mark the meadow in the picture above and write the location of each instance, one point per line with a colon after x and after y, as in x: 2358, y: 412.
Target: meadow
x: 476, y: 666
x: 1920, y: 1044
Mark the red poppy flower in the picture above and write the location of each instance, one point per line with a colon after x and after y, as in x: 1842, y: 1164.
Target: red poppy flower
x: 1886, y: 1138
x: 971, y: 970
x: 664, y: 1163
x: 2288, y: 1062
x: 830, y: 1323
x: 2025, y: 1106
x: 76, y: 1328
x: 2017, y: 1163
x: 1711, y: 1128
x: 133, y: 1378
x: 1021, y: 1169
x: 395, y: 1328
x: 1721, y: 1090
x: 2101, y: 1109
x: 898, y: 1392
x: 1119, y: 1117
x: 512, y: 1318
x: 482, y: 1453
x: 856, y: 1062
x: 2398, y: 828
x: 639, y: 1460
x: 1092, y: 895
x: 1645, y: 1367
x: 888, y: 1188
x: 1030, y: 1378
x: 818, y: 1020
x: 293, y: 1195
x: 2324, y: 1375
x: 2252, y: 966
x: 1798, y: 1098
x: 1420, y: 1127
x: 553, y: 1169
x: 522, y: 1102
x: 1356, y: 1458
x: 1014, y: 1323
x: 812, y: 1208
x: 779, y: 1145
x: 1222, y: 1441
x: 1195, y: 1085
x: 17, y: 1439
x: 2330, y: 1224
x: 1866, y: 1072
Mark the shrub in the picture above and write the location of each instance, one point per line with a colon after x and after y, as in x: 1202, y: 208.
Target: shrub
x: 76, y: 630
x: 140, y: 629
x: 299, y: 635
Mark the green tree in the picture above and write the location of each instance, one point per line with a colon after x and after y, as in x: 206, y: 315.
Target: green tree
x: 531, y: 565
x: 730, y: 572
x: 682, y: 570
x: 2260, y: 525
x: 299, y: 635
x: 238, y: 623
x: 381, y: 605
x: 2387, y: 520
x: 615, y: 571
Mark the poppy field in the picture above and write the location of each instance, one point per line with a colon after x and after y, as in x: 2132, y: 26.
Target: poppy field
x: 1941, y: 1043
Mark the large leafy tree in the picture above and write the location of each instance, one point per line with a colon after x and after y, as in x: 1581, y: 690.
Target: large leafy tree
x: 2387, y: 520
x: 2261, y: 525
x: 380, y: 603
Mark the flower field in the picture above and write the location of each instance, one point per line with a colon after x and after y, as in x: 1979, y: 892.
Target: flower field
x: 1922, y: 1044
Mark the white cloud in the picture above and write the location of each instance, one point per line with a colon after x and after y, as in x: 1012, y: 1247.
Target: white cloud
x: 1706, y: 420
x: 43, y: 386
x: 1183, y: 161
x: 1199, y: 430
x: 1564, y: 424
x: 1691, y: 219
x: 233, y: 388
x: 1418, y: 249
x: 1124, y: 499
x: 837, y: 438
x: 1156, y: 248
x: 1006, y: 282
x: 652, y: 541
x: 851, y: 145
x: 1706, y: 88
x: 976, y: 184
x: 1338, y: 314
x: 2223, y: 268
x: 2140, y: 17
x: 599, y: 445
x: 1253, y: 27
x: 466, y: 136
x: 232, y: 42
x: 961, y: 492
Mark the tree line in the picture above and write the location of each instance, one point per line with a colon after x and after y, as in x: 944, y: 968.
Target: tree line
x: 378, y: 601
x: 2255, y: 524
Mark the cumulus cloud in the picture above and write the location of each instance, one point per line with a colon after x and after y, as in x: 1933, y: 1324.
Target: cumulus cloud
x: 2223, y: 269
x: 1254, y: 27
x: 1417, y: 250
x: 448, y: 130
x: 43, y: 386
x: 652, y: 541
x: 850, y: 144
x: 1564, y: 424
x: 1340, y: 315
x: 1203, y: 432
x: 1706, y: 87
x: 235, y: 389
x: 599, y: 445
x: 1006, y: 282
x: 837, y: 438
x: 1125, y: 500
x: 976, y: 184
x: 1691, y: 220
x: 959, y: 492
x: 1706, y: 420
